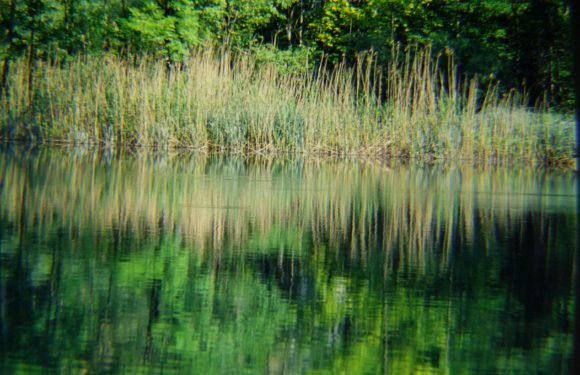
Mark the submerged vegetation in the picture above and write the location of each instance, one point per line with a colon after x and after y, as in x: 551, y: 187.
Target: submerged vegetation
x: 416, y: 105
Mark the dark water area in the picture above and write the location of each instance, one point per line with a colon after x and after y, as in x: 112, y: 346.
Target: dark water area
x: 124, y: 263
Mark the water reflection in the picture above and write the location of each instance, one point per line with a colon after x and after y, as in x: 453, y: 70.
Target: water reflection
x: 210, y: 264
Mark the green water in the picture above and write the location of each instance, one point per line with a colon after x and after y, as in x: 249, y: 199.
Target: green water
x: 125, y: 263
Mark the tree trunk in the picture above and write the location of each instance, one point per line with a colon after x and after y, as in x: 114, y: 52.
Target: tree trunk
x: 6, y: 60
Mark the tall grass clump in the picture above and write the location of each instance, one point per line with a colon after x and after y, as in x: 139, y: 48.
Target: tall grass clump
x: 414, y: 106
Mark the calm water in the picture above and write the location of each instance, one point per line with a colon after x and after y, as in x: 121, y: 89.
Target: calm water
x: 194, y: 264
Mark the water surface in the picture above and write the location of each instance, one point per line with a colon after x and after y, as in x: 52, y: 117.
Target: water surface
x: 125, y: 263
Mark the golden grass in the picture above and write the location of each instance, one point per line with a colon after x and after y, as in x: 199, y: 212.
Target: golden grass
x: 409, y: 108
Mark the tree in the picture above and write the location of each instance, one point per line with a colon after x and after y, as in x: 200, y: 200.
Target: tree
x: 168, y: 27
x: 334, y: 26
x: 7, y: 47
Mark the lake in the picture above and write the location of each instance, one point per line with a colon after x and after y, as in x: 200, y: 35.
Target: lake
x: 117, y: 262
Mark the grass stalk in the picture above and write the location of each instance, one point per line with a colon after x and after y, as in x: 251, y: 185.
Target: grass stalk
x: 413, y: 106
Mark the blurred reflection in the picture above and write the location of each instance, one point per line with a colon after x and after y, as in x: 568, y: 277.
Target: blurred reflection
x: 127, y: 263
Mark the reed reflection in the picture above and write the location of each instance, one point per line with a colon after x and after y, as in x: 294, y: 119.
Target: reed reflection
x: 282, y: 265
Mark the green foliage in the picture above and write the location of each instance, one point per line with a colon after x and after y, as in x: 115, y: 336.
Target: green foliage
x: 170, y: 28
x: 332, y: 28
x: 290, y: 61
x: 242, y: 19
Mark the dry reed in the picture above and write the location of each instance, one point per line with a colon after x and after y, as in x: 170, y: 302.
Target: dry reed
x: 415, y: 106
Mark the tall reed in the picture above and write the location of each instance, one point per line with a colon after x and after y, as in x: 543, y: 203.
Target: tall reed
x: 414, y: 106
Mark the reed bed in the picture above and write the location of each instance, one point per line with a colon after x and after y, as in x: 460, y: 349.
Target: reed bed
x: 415, y: 106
